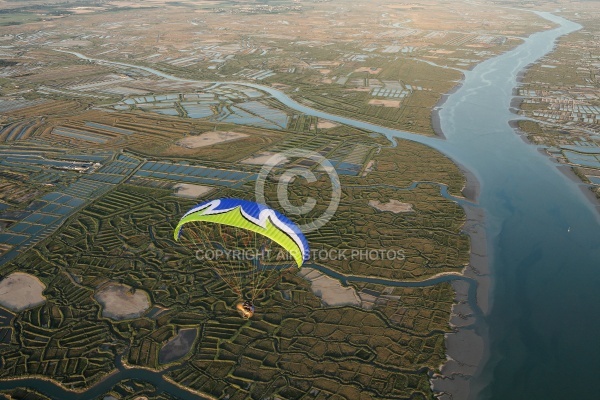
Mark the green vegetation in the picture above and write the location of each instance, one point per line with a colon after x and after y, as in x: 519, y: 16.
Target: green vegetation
x: 296, y: 347
x: 24, y: 393
x: 293, y: 345
x: 133, y: 389
x: 17, y: 18
x: 414, y: 112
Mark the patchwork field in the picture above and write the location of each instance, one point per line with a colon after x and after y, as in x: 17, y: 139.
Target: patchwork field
x: 113, y: 273
x: 114, y: 123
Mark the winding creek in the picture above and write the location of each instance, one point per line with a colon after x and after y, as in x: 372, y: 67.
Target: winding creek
x: 542, y: 238
x: 58, y: 392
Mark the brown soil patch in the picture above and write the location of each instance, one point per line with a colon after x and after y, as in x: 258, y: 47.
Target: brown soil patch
x: 385, y: 103
x: 394, y: 206
x: 209, y: 139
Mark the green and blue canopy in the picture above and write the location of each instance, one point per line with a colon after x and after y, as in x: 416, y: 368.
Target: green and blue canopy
x: 252, y: 216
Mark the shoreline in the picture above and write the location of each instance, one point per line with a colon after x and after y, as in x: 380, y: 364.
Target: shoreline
x: 566, y: 169
x: 472, y: 187
x: 466, y: 347
x: 435, y: 115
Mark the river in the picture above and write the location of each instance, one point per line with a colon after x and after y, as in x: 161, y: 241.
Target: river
x: 542, y: 234
x: 58, y: 392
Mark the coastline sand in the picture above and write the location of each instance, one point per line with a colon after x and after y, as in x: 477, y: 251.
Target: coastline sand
x: 435, y: 115
x: 466, y: 345
x: 585, y: 188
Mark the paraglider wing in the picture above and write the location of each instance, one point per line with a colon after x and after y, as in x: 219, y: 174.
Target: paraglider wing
x: 253, y: 217
x: 232, y: 227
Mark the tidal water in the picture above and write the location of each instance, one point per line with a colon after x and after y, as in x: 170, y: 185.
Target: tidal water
x: 544, y: 237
